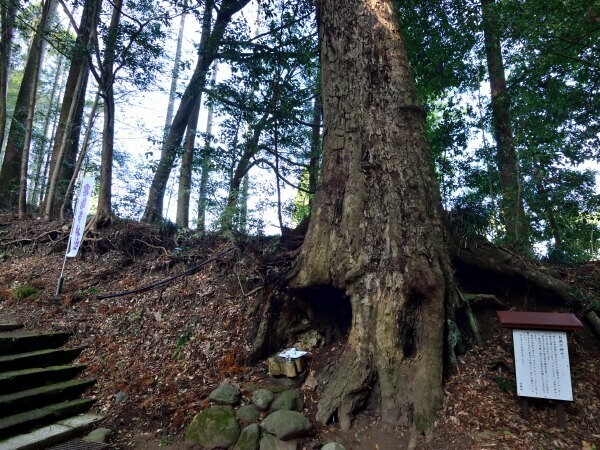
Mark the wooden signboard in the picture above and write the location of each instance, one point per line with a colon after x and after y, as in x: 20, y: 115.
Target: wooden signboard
x: 541, y: 356
x: 542, y: 364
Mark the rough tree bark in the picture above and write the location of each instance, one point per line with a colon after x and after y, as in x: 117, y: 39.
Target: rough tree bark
x: 512, y: 209
x: 315, y: 143
x: 375, y: 232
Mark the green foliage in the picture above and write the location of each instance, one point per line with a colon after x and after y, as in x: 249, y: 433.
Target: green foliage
x: 265, y: 109
x: 505, y: 384
x: 23, y: 291
x: 553, y: 82
x: 301, y: 204
x: 167, y: 228
x: 137, y: 43
x: 268, y: 94
x: 164, y: 441
x: 183, y: 339
x: 85, y: 293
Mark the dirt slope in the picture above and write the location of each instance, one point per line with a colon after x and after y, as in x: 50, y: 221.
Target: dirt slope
x: 164, y: 349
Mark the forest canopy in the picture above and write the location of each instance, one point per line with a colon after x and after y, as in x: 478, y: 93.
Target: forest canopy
x: 208, y: 113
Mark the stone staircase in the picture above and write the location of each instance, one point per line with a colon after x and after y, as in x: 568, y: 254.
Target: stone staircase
x: 40, y: 402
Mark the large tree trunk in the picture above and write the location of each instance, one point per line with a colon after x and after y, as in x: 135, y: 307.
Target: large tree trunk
x: 11, y: 165
x: 376, y: 233
x: 243, y: 206
x: 207, y: 54
x: 512, y: 210
x: 104, y: 210
x: 71, y: 113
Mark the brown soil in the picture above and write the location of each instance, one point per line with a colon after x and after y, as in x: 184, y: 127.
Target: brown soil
x: 168, y: 347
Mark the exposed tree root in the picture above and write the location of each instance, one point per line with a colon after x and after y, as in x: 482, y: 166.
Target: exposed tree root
x: 474, y: 326
x: 500, y: 260
x: 44, y: 237
x: 483, y: 298
x: 345, y: 385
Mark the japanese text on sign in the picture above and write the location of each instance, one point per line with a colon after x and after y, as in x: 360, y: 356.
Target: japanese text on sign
x: 81, y: 212
x: 542, y: 364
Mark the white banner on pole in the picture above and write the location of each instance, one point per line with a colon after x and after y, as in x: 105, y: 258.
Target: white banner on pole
x: 81, y: 212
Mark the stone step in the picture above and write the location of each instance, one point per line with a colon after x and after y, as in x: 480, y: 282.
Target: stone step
x: 52, y: 434
x: 80, y: 444
x: 10, y: 326
x: 40, y: 358
x: 26, y: 421
x: 19, y: 380
x: 24, y: 342
x: 29, y: 399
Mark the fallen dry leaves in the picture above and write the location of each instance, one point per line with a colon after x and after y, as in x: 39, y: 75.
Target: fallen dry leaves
x: 167, y: 348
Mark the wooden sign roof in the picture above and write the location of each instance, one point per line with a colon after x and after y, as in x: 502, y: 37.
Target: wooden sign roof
x: 525, y: 320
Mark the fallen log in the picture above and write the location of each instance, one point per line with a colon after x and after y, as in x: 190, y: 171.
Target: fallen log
x: 500, y: 260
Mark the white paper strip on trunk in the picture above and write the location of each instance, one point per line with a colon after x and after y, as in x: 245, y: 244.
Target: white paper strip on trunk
x: 81, y: 212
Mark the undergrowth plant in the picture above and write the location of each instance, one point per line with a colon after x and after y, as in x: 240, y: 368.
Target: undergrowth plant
x: 23, y: 291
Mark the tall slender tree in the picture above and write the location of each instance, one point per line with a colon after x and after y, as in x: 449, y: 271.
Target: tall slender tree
x: 80, y: 158
x: 8, y: 12
x: 187, y: 158
x: 512, y: 209
x: 174, y: 76
x: 130, y: 42
x: 42, y: 147
x: 66, y: 141
x: 48, y: 8
x: 207, y: 53
x: 205, y: 161
x: 107, y: 91
x: 11, y: 165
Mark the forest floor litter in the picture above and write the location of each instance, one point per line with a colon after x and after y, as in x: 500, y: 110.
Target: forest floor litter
x: 158, y: 354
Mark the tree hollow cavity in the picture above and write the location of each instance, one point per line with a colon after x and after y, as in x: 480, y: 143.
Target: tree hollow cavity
x: 288, y: 316
x: 328, y: 310
x: 411, y: 326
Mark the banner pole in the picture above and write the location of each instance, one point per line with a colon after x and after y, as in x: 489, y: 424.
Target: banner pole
x: 77, y: 227
x: 59, y: 283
